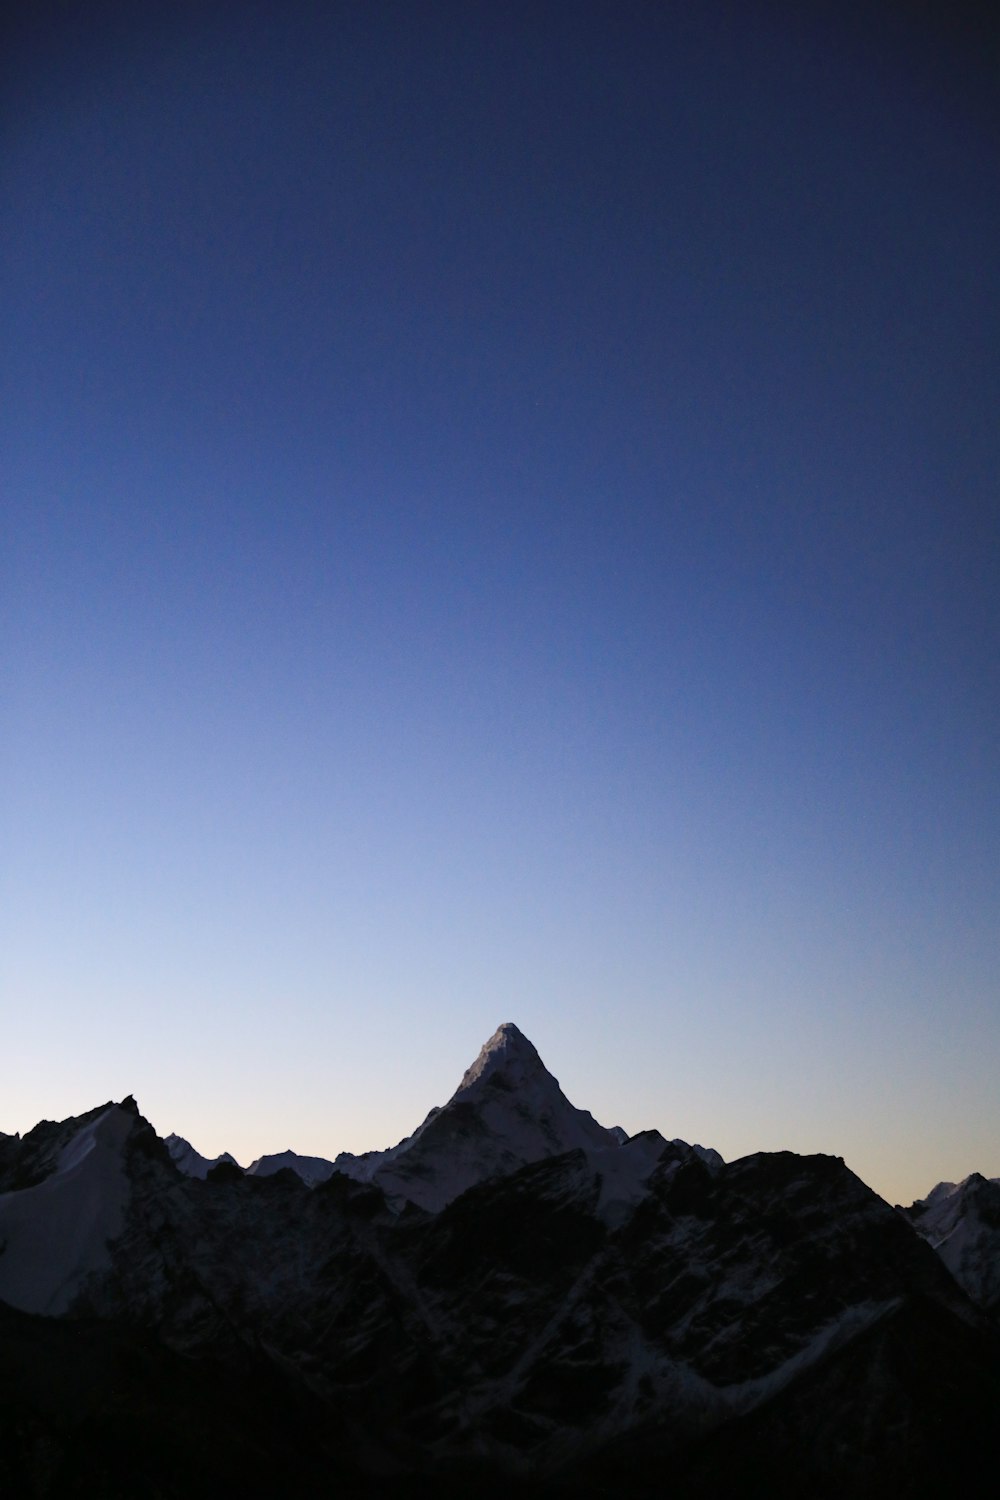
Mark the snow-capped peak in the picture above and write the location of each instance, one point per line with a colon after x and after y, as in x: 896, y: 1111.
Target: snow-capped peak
x: 507, y: 1112
x: 507, y: 1052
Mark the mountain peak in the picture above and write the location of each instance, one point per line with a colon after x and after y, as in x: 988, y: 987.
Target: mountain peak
x: 508, y: 1053
x: 507, y: 1112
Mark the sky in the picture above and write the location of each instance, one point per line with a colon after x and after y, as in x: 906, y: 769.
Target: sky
x: 500, y: 522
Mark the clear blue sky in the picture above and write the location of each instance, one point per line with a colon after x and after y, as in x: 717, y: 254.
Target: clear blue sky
x: 500, y: 522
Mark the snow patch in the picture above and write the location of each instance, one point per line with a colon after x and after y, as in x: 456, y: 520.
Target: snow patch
x: 831, y: 1336
x: 624, y: 1172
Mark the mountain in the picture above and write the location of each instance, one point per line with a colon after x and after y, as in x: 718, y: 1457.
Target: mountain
x: 507, y: 1112
x: 590, y: 1315
x: 961, y: 1221
x: 68, y: 1200
x: 190, y: 1161
x: 311, y: 1169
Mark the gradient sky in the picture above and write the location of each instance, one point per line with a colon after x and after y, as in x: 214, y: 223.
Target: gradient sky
x: 500, y: 522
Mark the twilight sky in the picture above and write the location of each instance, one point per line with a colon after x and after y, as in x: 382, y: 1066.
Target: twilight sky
x: 500, y: 521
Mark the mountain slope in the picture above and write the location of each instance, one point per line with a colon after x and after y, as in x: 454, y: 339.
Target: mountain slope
x: 55, y: 1232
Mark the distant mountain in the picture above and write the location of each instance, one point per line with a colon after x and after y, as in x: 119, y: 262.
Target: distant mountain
x: 191, y: 1161
x: 515, y: 1295
x: 961, y: 1221
x: 507, y: 1112
x: 311, y: 1169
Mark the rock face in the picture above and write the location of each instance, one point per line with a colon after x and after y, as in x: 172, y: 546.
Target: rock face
x: 567, y: 1310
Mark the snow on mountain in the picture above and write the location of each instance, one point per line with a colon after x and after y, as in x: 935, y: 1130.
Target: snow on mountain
x: 191, y: 1162
x: 55, y: 1234
x: 945, y: 1204
x: 624, y: 1170
x: 507, y: 1112
x: 961, y: 1221
x: 311, y: 1169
